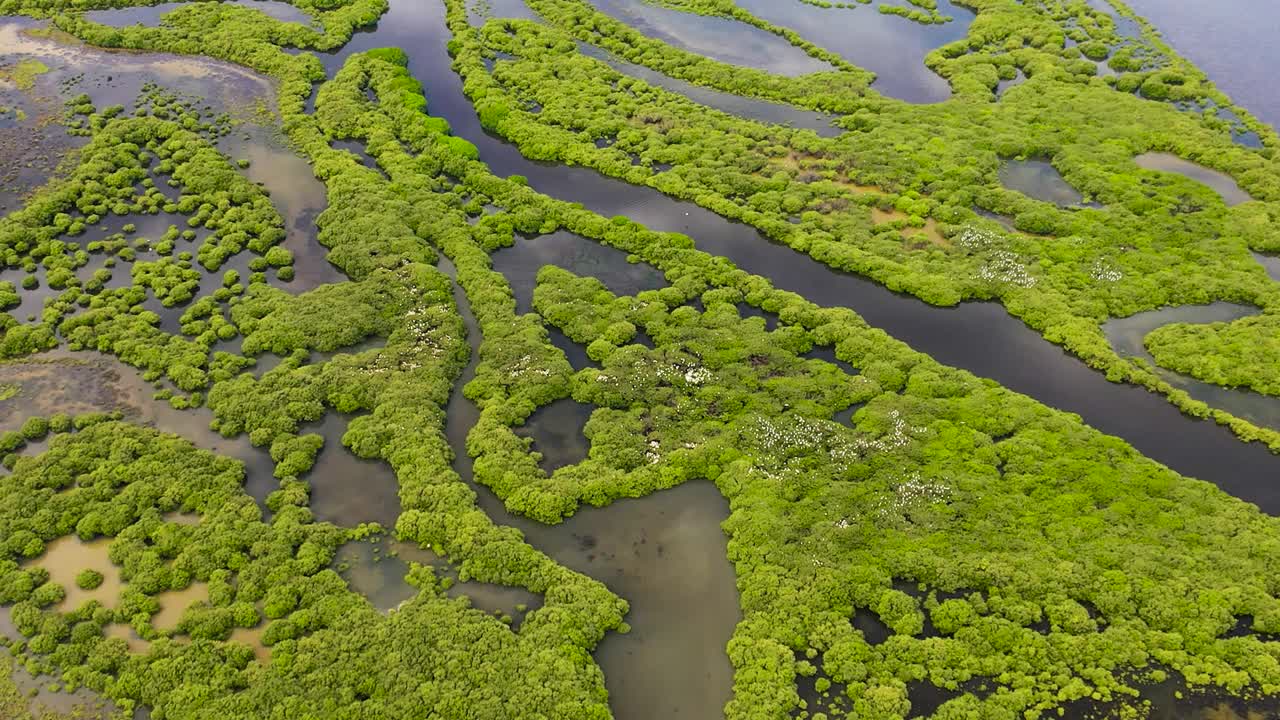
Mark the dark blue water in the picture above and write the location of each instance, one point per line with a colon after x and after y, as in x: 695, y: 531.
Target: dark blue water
x: 1233, y: 41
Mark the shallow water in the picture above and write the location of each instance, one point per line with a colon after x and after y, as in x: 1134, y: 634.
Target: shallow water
x: 67, y: 556
x: 152, y: 15
x: 980, y: 337
x: 1269, y: 263
x: 556, y: 430
x: 1005, y: 85
x: 749, y: 108
x: 82, y: 382
x: 718, y: 38
x: 347, y: 490
x: 892, y: 47
x: 30, y: 143
x: 83, y: 704
x: 479, y: 12
x: 173, y: 603
x: 1126, y: 336
x: 687, y: 652
x: 675, y: 655
x: 1173, y: 699
x: 520, y: 265
x: 118, y: 77
x: 1219, y: 182
x: 377, y: 569
x: 1038, y: 179
x: 299, y: 198
x: 1239, y: 133
x: 1125, y: 27
x: 111, y: 76
x: 665, y: 554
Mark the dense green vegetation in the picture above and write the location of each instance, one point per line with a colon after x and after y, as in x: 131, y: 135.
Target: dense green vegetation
x: 721, y: 398
x: 1020, y: 560
x: 14, y: 702
x: 402, y: 388
x: 897, y: 197
x: 1007, y: 35
x: 1243, y: 353
x: 117, y: 480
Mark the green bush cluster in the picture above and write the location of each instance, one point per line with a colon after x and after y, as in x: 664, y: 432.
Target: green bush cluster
x: 898, y: 197
x: 117, y: 480
x: 1244, y: 353
x: 123, y: 155
x: 939, y: 463
x: 999, y: 541
x: 89, y: 579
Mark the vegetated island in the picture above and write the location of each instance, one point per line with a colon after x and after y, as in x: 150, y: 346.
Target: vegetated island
x: 951, y: 540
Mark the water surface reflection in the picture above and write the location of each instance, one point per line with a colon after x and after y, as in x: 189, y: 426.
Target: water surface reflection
x: 1126, y: 336
x: 1219, y: 182
x: 892, y: 47
x: 749, y: 108
x: 521, y: 263
x: 1232, y: 41
x: 665, y: 554
x: 152, y: 15
x: 1038, y: 179
x: 980, y: 337
x: 719, y: 38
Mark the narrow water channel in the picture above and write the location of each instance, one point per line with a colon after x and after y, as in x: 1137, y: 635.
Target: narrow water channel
x: 150, y: 15
x: 745, y: 107
x: 1220, y: 182
x: 892, y: 47
x: 719, y: 38
x: 979, y: 337
x: 665, y: 554
x: 1127, y: 337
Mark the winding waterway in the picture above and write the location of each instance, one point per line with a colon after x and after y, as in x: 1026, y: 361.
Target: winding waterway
x: 1127, y: 337
x: 150, y: 15
x: 751, y: 108
x: 892, y: 47
x: 720, y: 38
x: 666, y: 553
x: 979, y: 337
